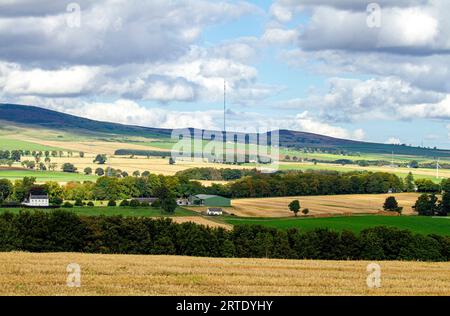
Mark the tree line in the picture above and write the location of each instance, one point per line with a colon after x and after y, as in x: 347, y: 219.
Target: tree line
x: 214, y: 174
x: 61, y: 231
x: 292, y: 183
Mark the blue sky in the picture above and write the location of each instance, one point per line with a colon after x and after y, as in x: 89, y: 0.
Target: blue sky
x: 314, y: 66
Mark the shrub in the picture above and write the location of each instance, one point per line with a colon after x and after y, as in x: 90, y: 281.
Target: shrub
x: 67, y: 205
x: 156, y: 204
x: 294, y: 207
x: 124, y: 203
x: 78, y: 202
x: 391, y: 205
x: 135, y: 203
x: 57, y: 201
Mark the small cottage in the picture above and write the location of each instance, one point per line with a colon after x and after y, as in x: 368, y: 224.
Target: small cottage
x: 37, y: 201
x: 212, y: 211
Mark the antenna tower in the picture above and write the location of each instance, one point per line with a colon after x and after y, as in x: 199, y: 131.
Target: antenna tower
x: 224, y: 105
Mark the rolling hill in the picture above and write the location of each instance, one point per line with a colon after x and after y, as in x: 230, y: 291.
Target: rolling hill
x: 36, y: 117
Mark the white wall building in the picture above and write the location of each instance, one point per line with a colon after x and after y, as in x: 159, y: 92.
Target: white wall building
x: 37, y: 200
x: 212, y: 211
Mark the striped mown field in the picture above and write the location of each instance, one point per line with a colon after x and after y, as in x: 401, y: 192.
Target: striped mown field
x: 45, y: 274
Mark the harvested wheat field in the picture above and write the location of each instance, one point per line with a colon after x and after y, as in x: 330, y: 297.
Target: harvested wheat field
x: 322, y: 205
x: 201, y: 221
x: 45, y: 274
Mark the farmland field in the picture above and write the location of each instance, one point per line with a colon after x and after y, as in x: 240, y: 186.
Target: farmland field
x: 420, y: 173
x: 181, y: 215
x: 322, y: 205
x: 45, y: 274
x: 416, y: 224
x: 114, y: 211
x: 91, y: 145
x: 44, y: 176
x: 15, y: 144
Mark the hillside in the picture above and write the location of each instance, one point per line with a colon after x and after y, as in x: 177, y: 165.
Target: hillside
x: 37, y: 117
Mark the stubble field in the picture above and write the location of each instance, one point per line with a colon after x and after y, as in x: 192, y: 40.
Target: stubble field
x: 45, y: 274
x: 332, y: 205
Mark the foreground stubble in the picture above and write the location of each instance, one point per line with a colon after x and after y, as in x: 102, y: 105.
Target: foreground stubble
x: 45, y: 274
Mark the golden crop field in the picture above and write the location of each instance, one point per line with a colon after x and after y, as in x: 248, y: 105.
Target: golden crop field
x: 322, y: 205
x: 210, y: 222
x: 93, y: 147
x: 45, y: 274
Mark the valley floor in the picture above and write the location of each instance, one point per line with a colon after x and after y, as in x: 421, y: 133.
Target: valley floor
x: 45, y: 274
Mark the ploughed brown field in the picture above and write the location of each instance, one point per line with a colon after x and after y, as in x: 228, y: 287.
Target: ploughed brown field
x: 45, y: 274
x: 322, y: 205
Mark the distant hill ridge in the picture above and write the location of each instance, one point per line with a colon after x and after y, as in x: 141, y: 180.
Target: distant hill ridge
x: 39, y: 117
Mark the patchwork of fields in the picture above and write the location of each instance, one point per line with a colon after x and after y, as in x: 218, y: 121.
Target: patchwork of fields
x: 45, y: 274
x: 25, y: 139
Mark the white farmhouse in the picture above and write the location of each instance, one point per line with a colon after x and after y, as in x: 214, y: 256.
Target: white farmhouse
x: 37, y: 201
x: 212, y: 211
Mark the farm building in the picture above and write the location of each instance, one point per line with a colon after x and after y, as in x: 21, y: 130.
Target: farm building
x: 209, y: 200
x: 214, y: 211
x: 183, y: 202
x: 37, y: 200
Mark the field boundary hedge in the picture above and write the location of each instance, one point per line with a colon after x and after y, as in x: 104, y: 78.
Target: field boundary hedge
x: 63, y: 231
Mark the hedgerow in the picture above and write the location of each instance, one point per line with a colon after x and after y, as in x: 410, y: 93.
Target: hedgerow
x: 63, y: 231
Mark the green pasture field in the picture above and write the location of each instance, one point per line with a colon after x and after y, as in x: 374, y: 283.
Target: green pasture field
x: 402, y: 173
x: 45, y: 176
x: 368, y: 157
x: 14, y: 144
x: 416, y: 224
x: 114, y: 211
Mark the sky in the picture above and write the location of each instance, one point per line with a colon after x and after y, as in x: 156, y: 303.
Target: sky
x: 344, y: 68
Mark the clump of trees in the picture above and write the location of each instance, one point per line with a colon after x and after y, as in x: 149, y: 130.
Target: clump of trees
x: 391, y: 205
x: 427, y: 186
x: 14, y: 155
x: 68, y: 167
x: 100, y: 159
x: 216, y: 174
x: 430, y: 205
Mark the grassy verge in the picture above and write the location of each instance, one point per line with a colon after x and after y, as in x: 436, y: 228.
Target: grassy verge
x: 416, y: 224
